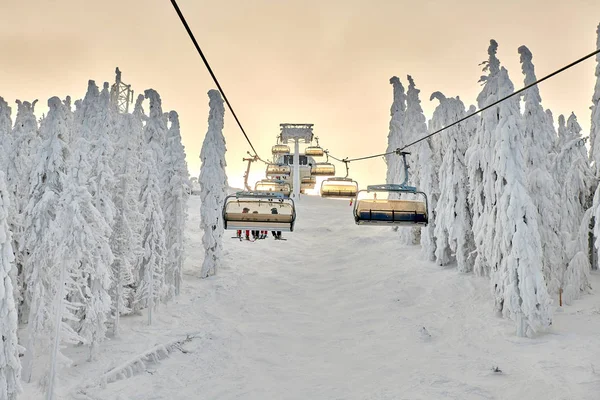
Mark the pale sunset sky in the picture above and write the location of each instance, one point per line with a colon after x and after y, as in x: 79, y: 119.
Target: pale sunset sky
x: 326, y: 62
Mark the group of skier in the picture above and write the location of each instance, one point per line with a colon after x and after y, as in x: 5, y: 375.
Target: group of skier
x: 258, y: 234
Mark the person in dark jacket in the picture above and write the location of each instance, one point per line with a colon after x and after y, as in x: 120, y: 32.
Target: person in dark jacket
x: 276, y: 234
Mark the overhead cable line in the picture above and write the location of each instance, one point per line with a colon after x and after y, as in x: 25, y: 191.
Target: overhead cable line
x: 189, y: 31
x: 398, y: 150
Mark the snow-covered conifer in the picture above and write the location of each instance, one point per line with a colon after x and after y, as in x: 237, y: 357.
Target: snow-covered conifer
x: 10, y: 365
x: 175, y: 202
x: 595, y: 127
x: 151, y: 271
x: 5, y: 136
x: 453, y: 225
x: 395, y: 170
x: 213, y: 184
x: 47, y: 182
x: 21, y: 159
x: 516, y: 275
x: 126, y: 235
x: 482, y: 178
x: 562, y: 134
x: 425, y: 164
x: 539, y: 143
x: 574, y: 179
x: 84, y: 253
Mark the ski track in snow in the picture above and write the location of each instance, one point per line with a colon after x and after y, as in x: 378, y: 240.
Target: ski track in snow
x: 339, y: 312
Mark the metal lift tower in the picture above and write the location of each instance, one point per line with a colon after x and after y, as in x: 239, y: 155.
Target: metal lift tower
x: 296, y: 133
x: 121, y: 93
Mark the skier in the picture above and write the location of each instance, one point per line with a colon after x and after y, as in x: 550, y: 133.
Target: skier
x: 276, y: 235
x: 255, y: 234
x: 239, y: 232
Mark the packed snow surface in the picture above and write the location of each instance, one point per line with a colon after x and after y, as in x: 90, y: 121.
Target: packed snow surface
x: 337, y: 311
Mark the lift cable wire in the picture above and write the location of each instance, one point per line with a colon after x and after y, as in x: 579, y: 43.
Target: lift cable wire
x: 189, y: 31
x: 399, y: 150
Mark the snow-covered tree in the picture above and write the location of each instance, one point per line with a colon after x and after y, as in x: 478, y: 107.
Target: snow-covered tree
x: 10, y: 365
x: 47, y: 182
x: 425, y: 164
x: 516, y: 258
x: 562, y: 134
x: 213, y: 184
x: 95, y: 120
x: 21, y: 159
x: 5, y: 136
x: 151, y: 271
x: 175, y: 202
x: 482, y: 178
x: 574, y: 179
x: 84, y: 253
x: 126, y: 234
x: 595, y: 127
x: 453, y: 224
x: 540, y: 138
x: 395, y: 170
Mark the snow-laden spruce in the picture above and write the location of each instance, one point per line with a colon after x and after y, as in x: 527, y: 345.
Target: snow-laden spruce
x: 83, y: 251
x: 151, y: 272
x: 213, y: 185
x: 175, y: 202
x: 95, y: 119
x: 453, y: 224
x: 595, y: 126
x: 126, y: 240
x: 10, y: 364
x: 479, y: 155
x: 540, y: 138
x: 41, y: 276
x: 516, y: 258
x: 5, y: 136
x: 395, y: 170
x: 421, y: 164
x: 21, y: 159
x: 574, y: 178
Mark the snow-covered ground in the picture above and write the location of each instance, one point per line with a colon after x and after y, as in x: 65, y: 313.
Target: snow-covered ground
x: 338, y: 312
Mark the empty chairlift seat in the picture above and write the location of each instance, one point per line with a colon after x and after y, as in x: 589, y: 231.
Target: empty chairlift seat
x: 314, y: 151
x: 275, y: 186
x: 339, y: 187
x: 280, y: 149
x: 323, y: 169
x: 278, y: 169
x: 374, y: 211
x: 259, y: 211
x: 308, y: 180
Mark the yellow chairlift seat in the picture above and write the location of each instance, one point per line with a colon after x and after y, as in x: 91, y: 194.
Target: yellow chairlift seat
x: 314, y: 151
x: 280, y: 149
x: 308, y: 180
x: 272, y: 185
x: 323, y: 169
x: 278, y: 170
x: 339, y: 187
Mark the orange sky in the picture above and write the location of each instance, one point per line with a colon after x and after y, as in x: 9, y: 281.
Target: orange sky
x: 326, y: 62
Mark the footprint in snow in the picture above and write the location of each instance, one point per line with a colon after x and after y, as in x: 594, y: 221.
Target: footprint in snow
x: 425, y: 335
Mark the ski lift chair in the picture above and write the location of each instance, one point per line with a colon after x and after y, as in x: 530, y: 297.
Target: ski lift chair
x: 339, y: 187
x: 391, y: 211
x: 278, y: 169
x: 308, y: 180
x: 314, y: 151
x: 274, y: 186
x: 323, y: 169
x: 275, y: 212
x: 280, y: 149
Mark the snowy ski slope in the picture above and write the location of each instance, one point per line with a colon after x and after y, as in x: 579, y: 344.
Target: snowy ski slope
x: 337, y: 312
